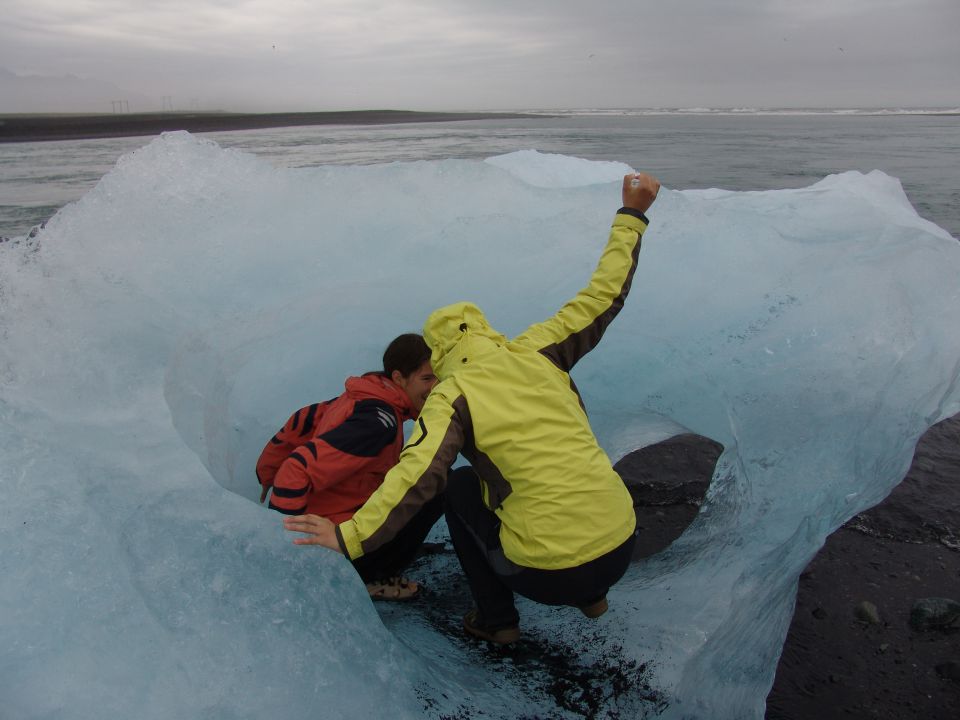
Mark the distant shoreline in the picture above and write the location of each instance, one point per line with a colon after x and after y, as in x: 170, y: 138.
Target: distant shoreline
x: 42, y: 128
x: 50, y: 127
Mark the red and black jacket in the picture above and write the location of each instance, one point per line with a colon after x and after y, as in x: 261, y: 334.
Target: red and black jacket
x: 331, y: 456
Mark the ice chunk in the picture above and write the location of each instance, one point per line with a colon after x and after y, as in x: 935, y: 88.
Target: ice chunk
x: 558, y: 171
x: 157, y: 332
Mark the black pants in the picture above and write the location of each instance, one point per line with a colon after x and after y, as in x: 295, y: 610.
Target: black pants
x: 394, y: 557
x: 475, y: 532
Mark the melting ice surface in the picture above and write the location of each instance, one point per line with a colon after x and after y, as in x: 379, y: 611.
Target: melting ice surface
x: 160, y: 329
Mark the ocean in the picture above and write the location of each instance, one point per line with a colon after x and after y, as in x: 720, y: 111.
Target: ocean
x: 734, y: 150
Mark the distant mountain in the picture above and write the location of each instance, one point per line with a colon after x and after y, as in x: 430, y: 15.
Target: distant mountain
x: 67, y: 94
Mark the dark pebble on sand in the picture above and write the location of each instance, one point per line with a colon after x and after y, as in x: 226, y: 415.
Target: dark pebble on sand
x: 949, y: 670
x: 867, y: 612
x: 935, y: 614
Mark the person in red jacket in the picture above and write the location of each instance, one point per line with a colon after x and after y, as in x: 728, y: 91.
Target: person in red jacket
x: 329, y: 458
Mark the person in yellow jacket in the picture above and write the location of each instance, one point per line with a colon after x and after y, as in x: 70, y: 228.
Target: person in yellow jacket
x: 540, y: 510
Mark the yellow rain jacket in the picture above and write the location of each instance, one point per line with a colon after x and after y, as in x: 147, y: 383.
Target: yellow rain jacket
x: 511, y: 409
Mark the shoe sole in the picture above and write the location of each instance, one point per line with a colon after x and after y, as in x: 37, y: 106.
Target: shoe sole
x: 504, y: 636
x: 394, y: 592
x: 595, y: 610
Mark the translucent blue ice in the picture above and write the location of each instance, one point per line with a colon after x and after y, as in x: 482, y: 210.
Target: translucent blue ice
x: 158, y: 331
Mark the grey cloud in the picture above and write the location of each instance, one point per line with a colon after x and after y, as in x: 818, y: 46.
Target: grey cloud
x: 502, y: 53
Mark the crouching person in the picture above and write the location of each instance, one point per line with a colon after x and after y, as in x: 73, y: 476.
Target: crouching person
x: 331, y: 456
x: 540, y: 511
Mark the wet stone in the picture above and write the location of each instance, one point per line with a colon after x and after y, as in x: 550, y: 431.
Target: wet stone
x: 935, y: 614
x: 867, y: 612
x: 949, y: 670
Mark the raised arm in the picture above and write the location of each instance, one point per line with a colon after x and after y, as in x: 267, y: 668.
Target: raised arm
x: 577, y: 328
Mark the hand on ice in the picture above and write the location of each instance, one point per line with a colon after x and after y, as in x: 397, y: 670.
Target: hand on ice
x: 320, y: 530
x: 639, y: 191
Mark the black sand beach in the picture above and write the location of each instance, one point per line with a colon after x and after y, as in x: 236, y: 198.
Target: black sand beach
x: 846, y: 659
x: 37, y: 128
x: 45, y: 127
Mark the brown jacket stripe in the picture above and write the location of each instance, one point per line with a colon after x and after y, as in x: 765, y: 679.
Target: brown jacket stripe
x: 566, y: 353
x: 497, y: 486
x: 431, y: 483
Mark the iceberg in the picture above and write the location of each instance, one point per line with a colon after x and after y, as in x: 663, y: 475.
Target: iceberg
x: 159, y: 330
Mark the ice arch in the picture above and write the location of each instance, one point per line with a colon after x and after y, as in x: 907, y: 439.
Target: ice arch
x: 156, y: 332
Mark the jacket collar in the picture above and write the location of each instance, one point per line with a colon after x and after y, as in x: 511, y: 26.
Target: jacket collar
x: 379, y: 386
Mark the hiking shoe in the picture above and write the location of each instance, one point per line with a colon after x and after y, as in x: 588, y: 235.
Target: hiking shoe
x: 497, y: 635
x: 595, y: 609
x: 395, y: 589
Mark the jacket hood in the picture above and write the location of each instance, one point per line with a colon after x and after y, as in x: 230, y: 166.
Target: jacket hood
x: 457, y: 334
x: 375, y: 385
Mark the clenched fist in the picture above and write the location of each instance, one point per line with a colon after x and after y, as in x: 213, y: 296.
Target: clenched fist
x: 639, y: 191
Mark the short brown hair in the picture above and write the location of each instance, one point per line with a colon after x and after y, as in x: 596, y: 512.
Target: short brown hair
x: 405, y: 353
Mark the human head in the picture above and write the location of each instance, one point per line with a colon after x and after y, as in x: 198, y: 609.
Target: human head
x: 458, y: 334
x: 406, y: 361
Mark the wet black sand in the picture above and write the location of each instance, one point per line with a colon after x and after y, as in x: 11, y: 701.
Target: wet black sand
x: 36, y: 128
x: 833, y: 665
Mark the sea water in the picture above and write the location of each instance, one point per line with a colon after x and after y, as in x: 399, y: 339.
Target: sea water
x: 736, y: 151
x: 156, y: 332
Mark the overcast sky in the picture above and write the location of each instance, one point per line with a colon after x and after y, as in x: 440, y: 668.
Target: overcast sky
x: 266, y: 55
